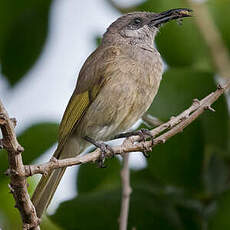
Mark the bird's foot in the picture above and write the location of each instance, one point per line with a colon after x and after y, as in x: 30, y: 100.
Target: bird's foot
x: 106, y: 150
x: 144, y: 134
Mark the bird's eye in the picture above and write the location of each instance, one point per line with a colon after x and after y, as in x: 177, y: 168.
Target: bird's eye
x: 137, y: 21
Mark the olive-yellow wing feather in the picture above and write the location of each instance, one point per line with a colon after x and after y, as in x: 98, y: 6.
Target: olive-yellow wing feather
x: 91, y: 79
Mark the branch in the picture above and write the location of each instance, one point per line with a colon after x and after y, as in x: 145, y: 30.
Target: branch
x: 171, y: 128
x: 126, y: 191
x: 16, y: 171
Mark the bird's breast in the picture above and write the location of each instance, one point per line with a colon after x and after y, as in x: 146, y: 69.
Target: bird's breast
x: 132, y: 83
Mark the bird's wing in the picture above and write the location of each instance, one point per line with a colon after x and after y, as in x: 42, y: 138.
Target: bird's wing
x: 91, y: 78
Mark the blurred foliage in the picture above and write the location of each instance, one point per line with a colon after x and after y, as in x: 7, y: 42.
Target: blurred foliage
x: 22, y: 35
x: 185, y: 184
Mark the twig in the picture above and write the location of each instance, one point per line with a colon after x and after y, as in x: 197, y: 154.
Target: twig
x: 172, y: 127
x: 211, y: 35
x: 126, y: 191
x: 18, y: 184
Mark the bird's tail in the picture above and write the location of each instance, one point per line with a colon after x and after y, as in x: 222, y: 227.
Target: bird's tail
x: 48, y: 184
x: 46, y: 189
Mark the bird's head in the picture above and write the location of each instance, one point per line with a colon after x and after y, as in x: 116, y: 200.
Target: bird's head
x: 141, y: 26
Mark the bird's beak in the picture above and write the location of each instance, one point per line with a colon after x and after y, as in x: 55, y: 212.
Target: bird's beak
x: 166, y: 16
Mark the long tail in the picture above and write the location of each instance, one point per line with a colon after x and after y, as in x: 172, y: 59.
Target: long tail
x: 48, y: 184
x: 46, y: 189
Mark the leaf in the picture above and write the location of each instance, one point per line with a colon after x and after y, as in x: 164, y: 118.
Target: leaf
x: 101, y: 210
x: 179, y: 161
x: 90, y: 211
x: 22, y: 35
x: 37, y: 139
x: 10, y: 217
x: 91, y: 178
x: 47, y: 224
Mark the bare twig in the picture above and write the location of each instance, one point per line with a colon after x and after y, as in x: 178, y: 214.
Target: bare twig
x: 126, y: 191
x: 211, y: 34
x: 171, y: 128
x: 18, y: 184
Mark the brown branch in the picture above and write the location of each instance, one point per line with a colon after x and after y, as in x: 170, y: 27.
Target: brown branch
x: 16, y: 171
x: 126, y: 191
x: 171, y: 128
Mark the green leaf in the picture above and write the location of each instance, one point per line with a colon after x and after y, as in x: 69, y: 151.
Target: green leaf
x: 101, y: 210
x: 91, y: 178
x: 37, y: 139
x: 90, y: 211
x: 179, y: 161
x: 47, y: 224
x: 9, y: 215
x: 22, y: 35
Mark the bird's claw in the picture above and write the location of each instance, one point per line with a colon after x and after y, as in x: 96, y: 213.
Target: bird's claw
x: 144, y: 134
x: 106, y: 151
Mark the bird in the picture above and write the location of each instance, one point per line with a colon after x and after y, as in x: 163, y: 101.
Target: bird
x: 115, y: 87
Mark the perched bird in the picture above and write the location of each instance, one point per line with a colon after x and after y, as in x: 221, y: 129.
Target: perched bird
x: 116, y: 85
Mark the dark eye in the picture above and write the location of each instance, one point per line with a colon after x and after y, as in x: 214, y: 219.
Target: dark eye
x: 137, y: 21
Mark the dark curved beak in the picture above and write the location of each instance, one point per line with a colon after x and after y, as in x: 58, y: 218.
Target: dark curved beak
x: 169, y: 15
